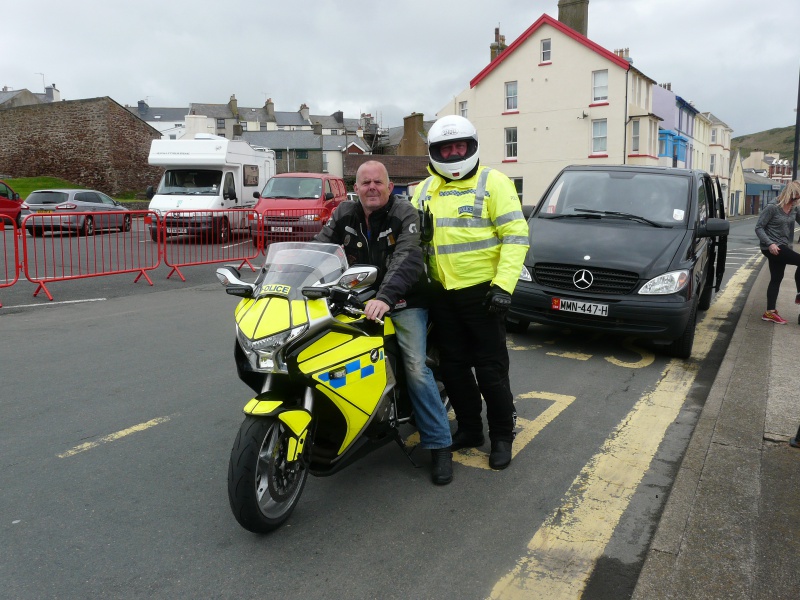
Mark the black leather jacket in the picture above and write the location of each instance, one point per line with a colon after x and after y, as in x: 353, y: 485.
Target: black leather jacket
x: 391, y: 243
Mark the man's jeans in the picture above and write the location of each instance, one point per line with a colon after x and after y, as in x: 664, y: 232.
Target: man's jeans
x: 429, y: 411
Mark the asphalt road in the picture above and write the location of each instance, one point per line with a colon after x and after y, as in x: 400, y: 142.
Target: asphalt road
x: 117, y: 418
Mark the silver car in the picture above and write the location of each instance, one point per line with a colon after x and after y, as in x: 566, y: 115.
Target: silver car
x: 66, y: 210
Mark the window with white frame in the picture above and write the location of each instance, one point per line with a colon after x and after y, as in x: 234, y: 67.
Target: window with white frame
x: 462, y: 109
x: 599, y: 136
x: 600, y: 85
x: 635, y: 135
x: 714, y: 135
x: 511, y: 95
x: 511, y: 142
x: 713, y: 163
x: 545, y: 50
x: 518, y: 186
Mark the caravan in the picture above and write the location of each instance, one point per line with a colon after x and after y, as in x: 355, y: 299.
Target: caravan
x: 210, y: 173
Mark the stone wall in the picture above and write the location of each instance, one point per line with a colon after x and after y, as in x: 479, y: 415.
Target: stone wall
x: 94, y: 143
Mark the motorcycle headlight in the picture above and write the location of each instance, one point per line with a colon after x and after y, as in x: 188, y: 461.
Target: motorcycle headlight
x: 668, y: 283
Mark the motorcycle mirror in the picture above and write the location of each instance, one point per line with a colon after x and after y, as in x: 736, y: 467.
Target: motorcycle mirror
x: 229, y: 277
x: 358, y: 277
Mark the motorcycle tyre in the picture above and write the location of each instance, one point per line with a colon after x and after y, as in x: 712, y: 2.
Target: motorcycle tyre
x: 261, y: 506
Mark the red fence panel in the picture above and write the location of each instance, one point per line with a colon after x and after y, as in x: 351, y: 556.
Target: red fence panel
x: 200, y: 237
x: 86, y: 244
x: 10, y: 267
x: 289, y: 225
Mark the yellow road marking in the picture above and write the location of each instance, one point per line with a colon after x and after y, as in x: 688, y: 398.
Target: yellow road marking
x: 113, y: 437
x: 526, y: 430
x: 563, y: 552
x: 572, y: 355
x: 646, y: 360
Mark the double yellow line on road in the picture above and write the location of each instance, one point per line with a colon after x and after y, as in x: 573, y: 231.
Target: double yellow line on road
x: 562, y: 554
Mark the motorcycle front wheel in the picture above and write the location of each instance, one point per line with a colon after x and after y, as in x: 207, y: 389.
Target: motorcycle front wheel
x: 263, y: 487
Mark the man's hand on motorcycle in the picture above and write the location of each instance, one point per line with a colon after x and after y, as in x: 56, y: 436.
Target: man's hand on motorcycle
x: 375, y: 309
x: 497, y: 300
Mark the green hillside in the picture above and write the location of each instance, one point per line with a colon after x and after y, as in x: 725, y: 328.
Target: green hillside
x: 779, y: 140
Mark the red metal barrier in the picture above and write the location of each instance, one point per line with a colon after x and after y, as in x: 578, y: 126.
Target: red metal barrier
x: 64, y: 247
x: 289, y: 225
x: 200, y: 237
x: 10, y: 266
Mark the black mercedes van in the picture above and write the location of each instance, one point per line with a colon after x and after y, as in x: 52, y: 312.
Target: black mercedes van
x: 625, y: 249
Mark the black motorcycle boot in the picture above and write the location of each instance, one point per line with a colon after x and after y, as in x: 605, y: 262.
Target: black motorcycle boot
x: 465, y: 439
x: 500, y: 455
x: 441, y: 466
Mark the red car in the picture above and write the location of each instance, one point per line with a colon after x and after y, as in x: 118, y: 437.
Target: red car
x: 294, y: 206
x: 11, y: 205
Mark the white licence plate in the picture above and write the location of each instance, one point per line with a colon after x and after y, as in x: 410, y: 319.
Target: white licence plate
x: 177, y: 230
x: 588, y: 308
x: 281, y: 229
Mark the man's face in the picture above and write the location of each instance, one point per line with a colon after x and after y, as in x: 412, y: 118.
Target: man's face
x: 455, y: 149
x: 373, y: 186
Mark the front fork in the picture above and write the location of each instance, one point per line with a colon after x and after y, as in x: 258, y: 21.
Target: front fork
x: 296, y: 419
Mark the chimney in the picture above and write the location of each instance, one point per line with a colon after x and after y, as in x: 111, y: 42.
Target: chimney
x: 143, y: 108
x: 234, y: 106
x: 269, y: 106
x: 413, y: 142
x: 499, y: 44
x: 338, y: 116
x: 317, y: 128
x: 304, y: 111
x: 52, y: 94
x: 574, y: 14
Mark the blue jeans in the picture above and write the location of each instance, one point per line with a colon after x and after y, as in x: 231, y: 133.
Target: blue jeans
x: 429, y: 411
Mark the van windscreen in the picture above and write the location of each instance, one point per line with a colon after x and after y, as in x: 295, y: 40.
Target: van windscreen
x: 202, y: 182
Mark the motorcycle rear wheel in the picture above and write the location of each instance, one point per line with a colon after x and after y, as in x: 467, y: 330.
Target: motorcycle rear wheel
x: 263, y: 487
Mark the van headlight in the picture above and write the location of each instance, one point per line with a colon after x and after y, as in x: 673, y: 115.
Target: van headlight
x: 668, y: 283
x: 525, y: 275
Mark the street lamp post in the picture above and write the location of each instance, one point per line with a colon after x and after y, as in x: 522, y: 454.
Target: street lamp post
x: 796, y: 133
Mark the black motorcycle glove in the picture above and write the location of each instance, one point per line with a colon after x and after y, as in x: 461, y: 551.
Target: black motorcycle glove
x: 497, y: 300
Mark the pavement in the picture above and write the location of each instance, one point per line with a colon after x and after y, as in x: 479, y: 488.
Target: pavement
x: 731, y: 525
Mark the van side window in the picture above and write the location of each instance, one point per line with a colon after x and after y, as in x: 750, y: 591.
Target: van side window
x: 702, y: 202
x: 328, y: 187
x: 229, y: 191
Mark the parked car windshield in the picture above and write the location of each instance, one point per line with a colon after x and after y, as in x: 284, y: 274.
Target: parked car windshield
x: 295, y: 188
x: 200, y: 182
x: 47, y: 198
x: 656, y: 197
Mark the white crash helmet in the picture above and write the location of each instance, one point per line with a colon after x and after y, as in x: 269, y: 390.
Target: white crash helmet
x: 447, y: 130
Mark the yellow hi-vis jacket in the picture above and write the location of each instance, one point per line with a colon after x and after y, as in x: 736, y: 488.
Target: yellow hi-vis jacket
x: 479, y: 232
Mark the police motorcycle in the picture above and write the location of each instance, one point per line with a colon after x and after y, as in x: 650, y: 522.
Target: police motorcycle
x: 328, y: 381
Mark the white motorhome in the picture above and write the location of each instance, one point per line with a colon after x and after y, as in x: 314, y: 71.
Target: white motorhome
x: 211, y: 173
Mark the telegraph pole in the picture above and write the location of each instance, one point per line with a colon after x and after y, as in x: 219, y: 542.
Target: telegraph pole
x: 796, y: 133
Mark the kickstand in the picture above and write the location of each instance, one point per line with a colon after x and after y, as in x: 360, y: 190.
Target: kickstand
x: 407, y: 452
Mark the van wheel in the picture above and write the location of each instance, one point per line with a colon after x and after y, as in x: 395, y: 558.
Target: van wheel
x: 705, y: 298
x: 682, y: 347
x: 154, y: 234
x: 517, y: 325
x: 223, y: 231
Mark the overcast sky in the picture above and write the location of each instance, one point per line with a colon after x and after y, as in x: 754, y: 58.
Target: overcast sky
x: 738, y: 59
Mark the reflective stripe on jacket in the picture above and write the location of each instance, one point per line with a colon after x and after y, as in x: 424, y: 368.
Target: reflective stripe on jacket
x: 479, y: 233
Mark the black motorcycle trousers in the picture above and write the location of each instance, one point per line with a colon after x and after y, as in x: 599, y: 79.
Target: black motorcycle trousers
x: 470, y: 338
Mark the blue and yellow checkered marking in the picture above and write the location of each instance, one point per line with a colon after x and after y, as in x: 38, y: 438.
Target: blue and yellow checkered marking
x: 354, y: 371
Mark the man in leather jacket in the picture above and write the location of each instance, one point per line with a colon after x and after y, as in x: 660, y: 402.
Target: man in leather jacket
x: 383, y: 230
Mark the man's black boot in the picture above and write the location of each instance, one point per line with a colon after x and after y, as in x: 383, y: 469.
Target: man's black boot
x: 441, y: 466
x: 463, y: 439
x: 500, y: 456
